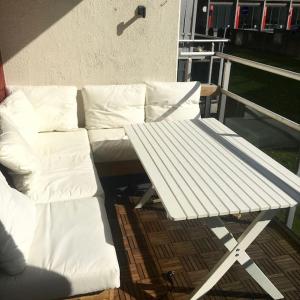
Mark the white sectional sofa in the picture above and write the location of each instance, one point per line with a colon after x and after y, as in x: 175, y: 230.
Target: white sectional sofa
x: 51, y: 161
x: 72, y: 250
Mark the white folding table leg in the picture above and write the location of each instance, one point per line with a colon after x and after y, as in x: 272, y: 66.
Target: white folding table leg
x: 218, y: 228
x: 149, y: 193
x: 237, y: 253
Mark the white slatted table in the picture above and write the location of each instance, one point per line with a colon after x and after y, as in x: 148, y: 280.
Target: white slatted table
x: 202, y: 169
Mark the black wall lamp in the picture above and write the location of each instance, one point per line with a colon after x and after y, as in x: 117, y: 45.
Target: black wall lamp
x: 141, y: 11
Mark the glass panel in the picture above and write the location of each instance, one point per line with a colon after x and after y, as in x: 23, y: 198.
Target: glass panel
x: 221, y: 16
x: 277, y: 140
x: 276, y: 17
x: 274, y: 92
x: 250, y: 17
x: 296, y: 18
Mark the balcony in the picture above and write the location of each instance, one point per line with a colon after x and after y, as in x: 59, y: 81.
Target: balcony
x: 75, y: 44
x: 162, y: 259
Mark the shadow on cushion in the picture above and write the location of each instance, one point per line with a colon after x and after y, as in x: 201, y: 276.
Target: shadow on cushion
x: 34, y: 284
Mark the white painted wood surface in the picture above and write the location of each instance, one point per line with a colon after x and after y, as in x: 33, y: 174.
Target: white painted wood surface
x: 237, y: 252
x: 200, y: 168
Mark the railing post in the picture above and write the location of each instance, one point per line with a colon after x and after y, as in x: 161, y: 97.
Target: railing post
x: 208, y: 99
x: 188, y: 69
x: 221, y: 71
x: 291, y: 216
x: 292, y: 210
x: 211, y: 63
x: 225, y: 84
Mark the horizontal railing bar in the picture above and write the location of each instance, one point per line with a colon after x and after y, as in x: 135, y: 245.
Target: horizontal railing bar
x: 194, y: 55
x: 262, y: 110
x: 208, y: 36
x: 261, y: 66
x: 205, y: 41
x: 198, y: 57
x: 203, y: 35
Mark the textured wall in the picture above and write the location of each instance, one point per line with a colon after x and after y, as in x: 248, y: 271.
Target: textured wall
x: 2, y: 81
x: 88, y: 41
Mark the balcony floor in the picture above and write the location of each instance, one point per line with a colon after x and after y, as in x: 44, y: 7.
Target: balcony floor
x: 149, y: 245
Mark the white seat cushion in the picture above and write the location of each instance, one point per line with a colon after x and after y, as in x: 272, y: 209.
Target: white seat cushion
x: 172, y: 101
x: 15, y: 153
x: 67, y: 169
x: 113, y: 106
x: 17, y: 226
x: 110, y: 145
x: 20, y: 110
x: 56, y: 106
x: 72, y: 253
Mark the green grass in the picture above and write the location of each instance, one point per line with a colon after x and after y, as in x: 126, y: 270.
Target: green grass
x: 288, y: 158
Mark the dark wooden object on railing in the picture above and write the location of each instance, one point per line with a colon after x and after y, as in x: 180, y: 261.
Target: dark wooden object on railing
x: 210, y: 90
x: 2, y: 81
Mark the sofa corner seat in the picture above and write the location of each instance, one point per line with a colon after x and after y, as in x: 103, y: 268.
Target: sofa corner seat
x: 72, y: 253
x: 111, y: 145
x: 68, y: 171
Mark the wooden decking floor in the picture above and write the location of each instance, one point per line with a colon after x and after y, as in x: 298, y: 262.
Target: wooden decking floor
x: 149, y: 245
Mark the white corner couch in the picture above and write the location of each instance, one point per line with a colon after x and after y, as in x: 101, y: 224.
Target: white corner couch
x: 72, y: 250
x: 51, y: 162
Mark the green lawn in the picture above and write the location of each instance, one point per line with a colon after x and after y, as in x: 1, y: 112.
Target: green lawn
x: 274, y: 92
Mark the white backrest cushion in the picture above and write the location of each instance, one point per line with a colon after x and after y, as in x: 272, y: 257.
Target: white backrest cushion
x: 17, y: 226
x: 20, y: 110
x: 15, y: 153
x: 56, y: 106
x: 113, y: 106
x: 172, y: 101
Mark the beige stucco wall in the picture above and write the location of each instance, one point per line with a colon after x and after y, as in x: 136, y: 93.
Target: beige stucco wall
x: 81, y: 41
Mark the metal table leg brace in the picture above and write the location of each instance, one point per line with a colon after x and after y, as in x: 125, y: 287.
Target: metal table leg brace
x: 237, y: 252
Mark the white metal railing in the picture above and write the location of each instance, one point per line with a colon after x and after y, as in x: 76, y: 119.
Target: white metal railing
x: 225, y: 83
x: 223, y: 80
x: 260, y: 66
x: 262, y: 110
x: 209, y: 40
x: 186, y: 47
x: 195, y: 55
x: 224, y: 74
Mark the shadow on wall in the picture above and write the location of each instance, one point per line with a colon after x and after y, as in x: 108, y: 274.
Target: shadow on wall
x: 31, y: 21
x: 124, y: 25
x: 2, y: 81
